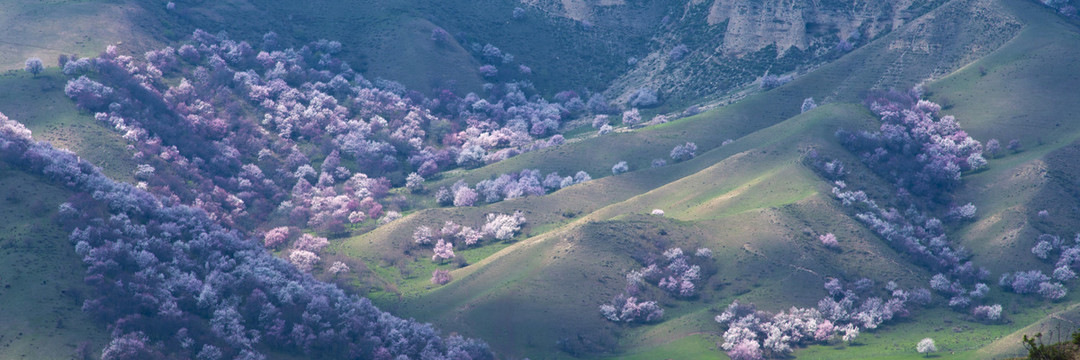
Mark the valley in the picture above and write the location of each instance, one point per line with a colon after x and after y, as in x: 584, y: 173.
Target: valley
x: 504, y: 170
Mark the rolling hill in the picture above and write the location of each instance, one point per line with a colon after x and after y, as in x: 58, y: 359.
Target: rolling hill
x: 1003, y: 68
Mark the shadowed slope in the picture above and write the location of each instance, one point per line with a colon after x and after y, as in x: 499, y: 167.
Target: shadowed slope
x: 41, y: 286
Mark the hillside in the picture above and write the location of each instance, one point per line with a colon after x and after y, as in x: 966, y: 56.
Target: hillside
x: 390, y: 39
x: 46, y: 29
x: 719, y: 197
x: 41, y: 295
x: 321, y: 151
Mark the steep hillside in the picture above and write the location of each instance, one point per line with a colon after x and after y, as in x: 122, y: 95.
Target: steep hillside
x: 1017, y: 92
x: 572, y: 45
x: 707, y: 48
x: 40, y: 292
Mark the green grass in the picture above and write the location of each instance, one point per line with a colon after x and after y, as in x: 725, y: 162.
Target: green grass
x: 752, y: 201
x: 40, y: 104
x: 1018, y: 92
x: 41, y: 288
x: 698, y: 346
x: 48, y: 28
x: 546, y: 282
x: 956, y: 336
x: 1055, y: 327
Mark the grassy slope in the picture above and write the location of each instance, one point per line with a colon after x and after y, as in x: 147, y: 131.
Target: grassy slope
x: 1057, y: 325
x: 766, y: 249
x: 48, y: 28
x: 40, y: 104
x: 1023, y: 95
x: 724, y: 199
x: 40, y: 274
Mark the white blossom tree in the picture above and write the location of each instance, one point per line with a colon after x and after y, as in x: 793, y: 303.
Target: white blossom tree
x: 926, y: 346
x: 34, y: 66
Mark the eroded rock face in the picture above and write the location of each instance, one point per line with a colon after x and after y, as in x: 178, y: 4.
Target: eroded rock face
x: 751, y: 25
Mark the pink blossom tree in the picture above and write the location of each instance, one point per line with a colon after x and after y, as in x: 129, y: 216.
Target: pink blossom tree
x: 314, y: 244
x: 503, y: 226
x: 440, y: 277
x: 338, y: 268
x: 829, y: 240
x: 303, y: 260
x: 423, y: 235
x: 275, y: 237
x: 746, y: 350
x: 465, y: 197
x: 443, y: 250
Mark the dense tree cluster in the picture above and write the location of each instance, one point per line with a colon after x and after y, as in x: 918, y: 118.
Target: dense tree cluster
x: 920, y: 236
x: 918, y: 148
x: 753, y: 334
x: 923, y: 154
x: 497, y: 226
x: 960, y: 297
x: 443, y: 250
x: 674, y: 272
x: 296, y: 133
x: 1035, y: 281
x: 528, y: 182
x: 629, y: 309
x: 989, y: 313
x: 503, y: 226
x: 684, y: 152
x: 169, y: 279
